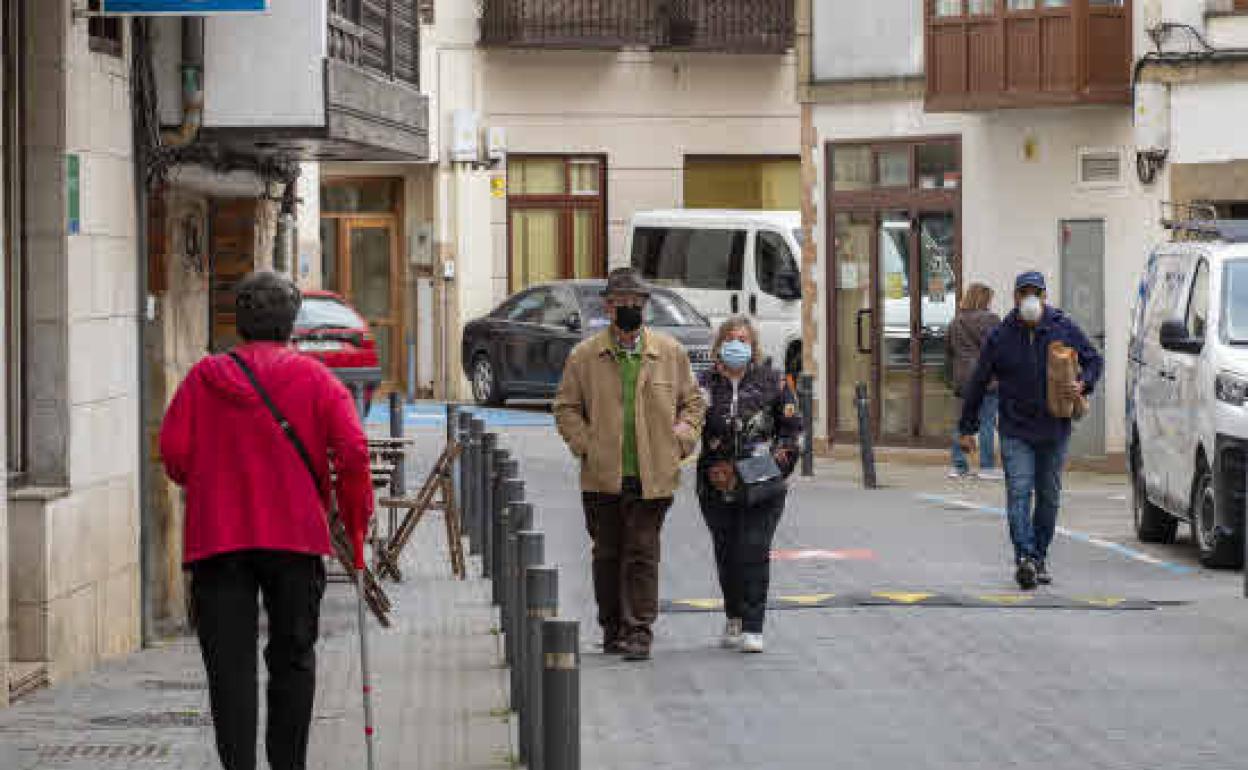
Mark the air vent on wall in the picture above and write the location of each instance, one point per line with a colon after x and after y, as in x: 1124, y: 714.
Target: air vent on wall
x: 1100, y: 167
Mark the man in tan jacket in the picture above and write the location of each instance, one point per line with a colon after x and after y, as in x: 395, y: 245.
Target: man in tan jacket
x: 628, y: 406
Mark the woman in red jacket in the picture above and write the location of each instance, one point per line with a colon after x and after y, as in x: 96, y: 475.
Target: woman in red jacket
x: 256, y: 518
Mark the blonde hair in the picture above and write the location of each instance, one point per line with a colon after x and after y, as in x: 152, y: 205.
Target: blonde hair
x: 731, y: 325
x: 977, y: 297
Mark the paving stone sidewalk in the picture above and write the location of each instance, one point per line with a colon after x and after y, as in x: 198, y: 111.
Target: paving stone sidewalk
x: 440, y: 690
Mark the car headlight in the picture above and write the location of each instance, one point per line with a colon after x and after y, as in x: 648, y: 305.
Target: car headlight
x: 1231, y: 388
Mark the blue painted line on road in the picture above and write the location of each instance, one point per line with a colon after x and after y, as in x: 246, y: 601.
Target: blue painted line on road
x: 432, y: 414
x: 1082, y: 537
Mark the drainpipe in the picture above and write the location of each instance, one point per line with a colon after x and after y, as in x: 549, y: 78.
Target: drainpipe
x: 192, y: 85
x: 284, y: 244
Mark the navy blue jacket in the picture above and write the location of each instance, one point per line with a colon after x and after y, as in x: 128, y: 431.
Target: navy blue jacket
x: 1017, y: 356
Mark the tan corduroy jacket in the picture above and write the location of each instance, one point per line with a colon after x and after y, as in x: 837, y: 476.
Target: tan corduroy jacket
x: 589, y: 411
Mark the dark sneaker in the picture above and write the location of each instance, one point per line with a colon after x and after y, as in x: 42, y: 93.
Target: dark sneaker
x: 1042, y: 574
x: 613, y: 647
x: 636, y: 650
x: 1026, y: 574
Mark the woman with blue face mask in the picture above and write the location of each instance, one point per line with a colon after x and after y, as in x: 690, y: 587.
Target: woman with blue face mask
x: 752, y: 425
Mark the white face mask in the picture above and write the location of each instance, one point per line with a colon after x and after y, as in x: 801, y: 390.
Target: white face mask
x: 1031, y: 308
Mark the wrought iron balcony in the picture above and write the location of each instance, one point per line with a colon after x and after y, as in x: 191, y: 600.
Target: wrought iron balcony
x: 728, y: 26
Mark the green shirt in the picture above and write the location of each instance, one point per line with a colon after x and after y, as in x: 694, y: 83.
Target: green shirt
x: 630, y: 366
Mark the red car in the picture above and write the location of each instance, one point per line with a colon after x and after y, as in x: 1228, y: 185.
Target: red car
x: 331, y: 331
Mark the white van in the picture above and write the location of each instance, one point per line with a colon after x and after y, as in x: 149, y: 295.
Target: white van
x: 729, y: 262
x: 1187, y: 392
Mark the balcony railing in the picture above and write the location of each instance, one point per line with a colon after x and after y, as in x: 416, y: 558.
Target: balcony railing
x: 730, y: 26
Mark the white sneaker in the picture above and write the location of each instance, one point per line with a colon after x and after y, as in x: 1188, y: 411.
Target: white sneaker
x: 731, y: 639
x: 752, y: 643
x: 991, y: 474
x: 954, y: 473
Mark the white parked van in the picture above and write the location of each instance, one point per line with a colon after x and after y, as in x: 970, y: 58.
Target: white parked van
x: 1187, y: 392
x: 729, y: 262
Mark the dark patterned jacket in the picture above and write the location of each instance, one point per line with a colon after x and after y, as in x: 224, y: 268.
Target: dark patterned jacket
x: 767, y: 415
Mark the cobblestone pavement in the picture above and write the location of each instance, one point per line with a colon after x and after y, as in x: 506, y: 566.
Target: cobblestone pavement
x: 913, y: 686
x: 440, y: 693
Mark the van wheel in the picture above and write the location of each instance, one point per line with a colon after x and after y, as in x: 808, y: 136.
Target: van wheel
x: 1152, y: 523
x: 1220, y: 546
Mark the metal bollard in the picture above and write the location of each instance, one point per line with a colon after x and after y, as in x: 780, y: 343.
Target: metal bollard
x: 511, y: 491
x: 398, y: 484
x: 519, y: 520
x: 477, y: 434
x: 806, y: 402
x: 464, y: 422
x: 531, y: 548
x: 498, y: 473
x: 489, y: 442
x: 866, y: 451
x: 561, y: 695
x: 357, y: 394
x: 451, y: 421
x: 542, y: 601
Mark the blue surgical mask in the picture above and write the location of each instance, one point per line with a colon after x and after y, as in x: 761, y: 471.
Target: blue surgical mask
x: 735, y: 354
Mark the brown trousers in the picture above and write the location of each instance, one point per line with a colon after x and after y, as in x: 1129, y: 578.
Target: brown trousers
x: 625, y: 531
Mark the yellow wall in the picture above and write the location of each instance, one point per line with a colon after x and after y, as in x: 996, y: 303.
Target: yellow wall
x: 752, y: 183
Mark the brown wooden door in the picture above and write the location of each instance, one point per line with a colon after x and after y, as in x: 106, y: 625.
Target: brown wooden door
x: 232, y: 229
x: 369, y: 275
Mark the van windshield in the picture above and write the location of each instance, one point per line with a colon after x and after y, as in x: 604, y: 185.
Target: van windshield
x: 690, y: 258
x: 1235, y: 302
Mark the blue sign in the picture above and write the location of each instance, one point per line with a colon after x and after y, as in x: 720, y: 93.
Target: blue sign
x: 182, y: 7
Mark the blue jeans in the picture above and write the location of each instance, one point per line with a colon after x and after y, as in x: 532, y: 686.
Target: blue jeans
x: 1032, y: 468
x: 987, y: 435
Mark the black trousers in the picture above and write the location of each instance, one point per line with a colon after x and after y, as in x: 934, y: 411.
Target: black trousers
x: 224, y: 590
x: 742, y: 537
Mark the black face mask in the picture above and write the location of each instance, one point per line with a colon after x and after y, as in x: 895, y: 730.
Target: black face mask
x: 628, y: 318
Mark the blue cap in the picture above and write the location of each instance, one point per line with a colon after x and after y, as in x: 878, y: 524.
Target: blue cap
x: 1030, y: 278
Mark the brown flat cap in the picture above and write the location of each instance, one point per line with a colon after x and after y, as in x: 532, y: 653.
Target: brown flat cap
x: 626, y: 280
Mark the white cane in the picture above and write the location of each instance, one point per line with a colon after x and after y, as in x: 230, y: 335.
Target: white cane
x: 365, y: 673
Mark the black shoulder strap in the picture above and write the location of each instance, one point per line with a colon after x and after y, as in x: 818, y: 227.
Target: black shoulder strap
x: 282, y: 422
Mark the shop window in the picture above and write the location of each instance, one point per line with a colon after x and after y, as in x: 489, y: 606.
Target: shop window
x: 767, y: 183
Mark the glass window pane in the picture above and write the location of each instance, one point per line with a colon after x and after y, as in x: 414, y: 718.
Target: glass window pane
x: 1198, y: 308
x: 1021, y: 5
x: 325, y: 313
x: 938, y: 167
x: 536, y: 176
x: 851, y: 168
x: 852, y: 243
x: 584, y: 244
x: 896, y: 377
x: 695, y: 259
x: 772, y: 259
x: 370, y: 271
x: 937, y: 239
x: 534, y: 246
x: 1056, y: 3
x: 585, y: 177
x: 329, y: 254
x: 948, y: 8
x: 894, y: 167
x: 360, y: 197
x: 982, y: 7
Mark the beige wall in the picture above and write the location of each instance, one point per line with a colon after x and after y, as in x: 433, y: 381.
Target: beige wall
x: 1012, y: 206
x: 644, y: 111
x: 74, y: 530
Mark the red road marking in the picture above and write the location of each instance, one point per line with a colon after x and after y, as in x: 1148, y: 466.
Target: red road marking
x: 819, y: 554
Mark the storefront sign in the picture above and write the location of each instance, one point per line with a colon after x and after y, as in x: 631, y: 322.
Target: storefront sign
x: 181, y: 7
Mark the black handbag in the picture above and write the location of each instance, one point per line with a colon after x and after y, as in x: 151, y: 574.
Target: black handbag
x: 761, y: 479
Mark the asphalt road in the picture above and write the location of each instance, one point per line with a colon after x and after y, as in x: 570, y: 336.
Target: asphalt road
x: 906, y: 685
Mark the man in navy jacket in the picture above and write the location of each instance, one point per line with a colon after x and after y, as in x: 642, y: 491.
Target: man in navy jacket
x: 1033, y: 441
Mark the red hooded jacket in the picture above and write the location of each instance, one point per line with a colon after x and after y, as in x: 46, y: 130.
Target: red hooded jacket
x: 246, y: 486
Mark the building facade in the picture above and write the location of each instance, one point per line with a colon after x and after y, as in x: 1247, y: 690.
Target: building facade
x: 554, y: 121
x: 962, y: 141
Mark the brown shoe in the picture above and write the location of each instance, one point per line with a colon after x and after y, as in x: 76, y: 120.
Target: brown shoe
x: 636, y: 650
x: 613, y: 647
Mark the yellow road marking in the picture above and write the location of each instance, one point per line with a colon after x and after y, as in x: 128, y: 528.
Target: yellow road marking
x: 1100, y: 601
x: 701, y: 604
x: 808, y: 598
x: 902, y: 597
x: 1004, y: 598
